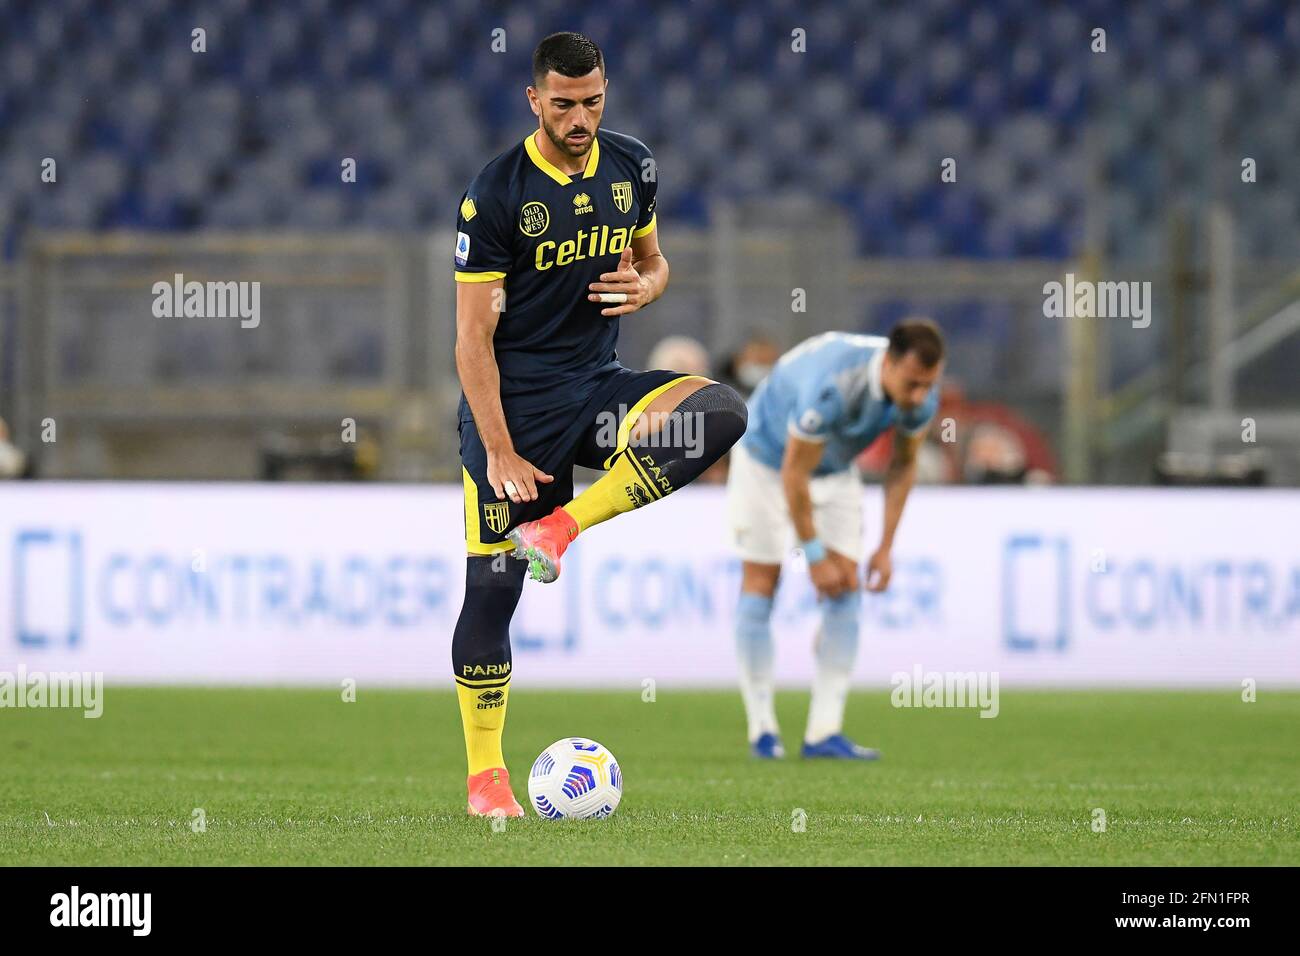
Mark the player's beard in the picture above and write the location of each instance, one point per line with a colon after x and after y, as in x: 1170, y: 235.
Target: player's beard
x: 564, y: 146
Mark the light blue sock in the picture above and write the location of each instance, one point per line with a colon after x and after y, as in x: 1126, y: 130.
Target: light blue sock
x: 754, y: 652
x: 837, y: 649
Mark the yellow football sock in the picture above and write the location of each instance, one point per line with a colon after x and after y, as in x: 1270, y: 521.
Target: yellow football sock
x: 626, y: 486
x: 483, y: 715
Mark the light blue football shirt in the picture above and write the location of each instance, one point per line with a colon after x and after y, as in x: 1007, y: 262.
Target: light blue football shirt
x: 827, y: 389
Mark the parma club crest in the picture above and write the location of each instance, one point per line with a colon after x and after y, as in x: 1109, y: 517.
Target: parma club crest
x: 497, y: 515
x: 622, y: 196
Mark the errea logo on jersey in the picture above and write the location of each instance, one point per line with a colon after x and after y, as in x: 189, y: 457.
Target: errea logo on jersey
x: 462, y: 249
x: 581, y: 204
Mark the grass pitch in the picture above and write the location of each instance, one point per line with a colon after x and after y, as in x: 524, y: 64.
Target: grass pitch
x: 300, y: 777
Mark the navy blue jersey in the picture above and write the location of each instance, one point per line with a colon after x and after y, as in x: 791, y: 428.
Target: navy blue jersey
x: 550, y: 235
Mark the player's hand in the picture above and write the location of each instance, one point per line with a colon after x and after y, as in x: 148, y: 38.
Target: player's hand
x: 624, y: 280
x: 828, y: 577
x: 513, y: 477
x: 879, y: 570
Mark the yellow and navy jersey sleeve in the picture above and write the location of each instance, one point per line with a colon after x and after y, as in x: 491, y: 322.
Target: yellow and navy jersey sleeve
x: 482, y: 238
x: 645, y: 221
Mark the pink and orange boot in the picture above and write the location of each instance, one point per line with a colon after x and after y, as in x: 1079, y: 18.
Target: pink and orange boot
x: 490, y: 794
x: 542, y: 542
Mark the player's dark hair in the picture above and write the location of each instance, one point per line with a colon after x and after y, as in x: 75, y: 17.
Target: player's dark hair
x: 920, y: 336
x: 569, y: 54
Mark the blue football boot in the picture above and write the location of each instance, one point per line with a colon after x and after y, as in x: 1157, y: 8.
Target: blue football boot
x: 839, y: 747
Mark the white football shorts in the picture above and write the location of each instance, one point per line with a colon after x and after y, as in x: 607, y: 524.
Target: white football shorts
x: 759, y: 521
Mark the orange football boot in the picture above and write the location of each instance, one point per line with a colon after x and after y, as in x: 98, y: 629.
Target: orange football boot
x: 541, y: 543
x: 490, y: 794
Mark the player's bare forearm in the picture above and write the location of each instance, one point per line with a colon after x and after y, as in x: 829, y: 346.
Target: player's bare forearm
x: 476, y: 361
x: 899, y: 478
x: 481, y: 380
x: 653, y: 270
x: 798, y: 500
x: 801, y: 457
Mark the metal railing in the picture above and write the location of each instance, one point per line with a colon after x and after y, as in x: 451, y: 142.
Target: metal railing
x: 360, y: 326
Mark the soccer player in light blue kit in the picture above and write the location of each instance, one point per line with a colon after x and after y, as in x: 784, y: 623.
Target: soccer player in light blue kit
x: 793, y: 481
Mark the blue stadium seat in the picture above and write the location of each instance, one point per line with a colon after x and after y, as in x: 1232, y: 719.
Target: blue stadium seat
x: 156, y: 135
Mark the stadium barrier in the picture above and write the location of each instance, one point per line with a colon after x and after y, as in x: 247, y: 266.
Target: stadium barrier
x: 316, y: 584
x: 361, y: 326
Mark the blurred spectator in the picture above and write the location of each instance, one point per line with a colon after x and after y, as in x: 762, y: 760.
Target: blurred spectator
x: 750, y: 363
x: 994, y: 456
x: 680, y: 353
x: 1000, y: 445
x: 991, y: 444
x: 13, y: 463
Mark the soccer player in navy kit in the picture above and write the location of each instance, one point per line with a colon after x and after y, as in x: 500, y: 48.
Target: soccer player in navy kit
x: 556, y: 241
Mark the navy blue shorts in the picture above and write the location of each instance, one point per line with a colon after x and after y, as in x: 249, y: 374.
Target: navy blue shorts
x: 555, y: 441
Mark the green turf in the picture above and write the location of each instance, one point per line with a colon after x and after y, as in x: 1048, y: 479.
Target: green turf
x: 300, y: 777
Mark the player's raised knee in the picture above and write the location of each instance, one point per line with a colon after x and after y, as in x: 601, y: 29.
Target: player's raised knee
x: 723, y: 415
